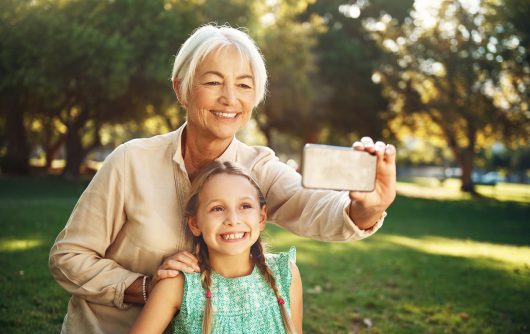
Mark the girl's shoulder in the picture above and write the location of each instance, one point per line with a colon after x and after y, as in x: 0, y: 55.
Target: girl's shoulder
x: 282, y: 258
x: 280, y: 265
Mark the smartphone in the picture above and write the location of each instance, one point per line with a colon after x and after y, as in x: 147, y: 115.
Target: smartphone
x: 338, y: 168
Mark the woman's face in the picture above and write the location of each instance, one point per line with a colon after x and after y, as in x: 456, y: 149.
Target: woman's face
x: 222, y: 95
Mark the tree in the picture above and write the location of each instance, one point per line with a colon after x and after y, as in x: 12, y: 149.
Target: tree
x: 460, y: 68
x: 18, y: 36
x: 351, y: 104
x: 287, y: 46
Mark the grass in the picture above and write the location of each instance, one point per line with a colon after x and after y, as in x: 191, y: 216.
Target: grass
x: 443, y: 263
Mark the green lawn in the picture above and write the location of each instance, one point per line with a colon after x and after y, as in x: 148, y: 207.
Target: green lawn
x: 443, y: 263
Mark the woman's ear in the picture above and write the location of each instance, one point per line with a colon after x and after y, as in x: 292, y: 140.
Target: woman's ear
x: 176, y: 89
x: 194, y: 227
x: 263, y: 218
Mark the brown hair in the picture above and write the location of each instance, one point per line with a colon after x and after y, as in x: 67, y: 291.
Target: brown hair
x: 201, y: 249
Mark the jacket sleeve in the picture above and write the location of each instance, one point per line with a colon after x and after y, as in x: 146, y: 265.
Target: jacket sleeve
x: 316, y: 214
x: 77, y: 258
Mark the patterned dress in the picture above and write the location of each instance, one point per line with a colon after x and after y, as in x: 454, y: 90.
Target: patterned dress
x: 241, y: 305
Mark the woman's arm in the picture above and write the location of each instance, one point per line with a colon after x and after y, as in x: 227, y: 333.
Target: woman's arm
x: 77, y: 259
x: 322, y: 214
x: 163, y: 303
x: 296, y: 293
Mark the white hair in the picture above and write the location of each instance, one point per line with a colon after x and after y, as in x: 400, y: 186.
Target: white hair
x: 209, y: 38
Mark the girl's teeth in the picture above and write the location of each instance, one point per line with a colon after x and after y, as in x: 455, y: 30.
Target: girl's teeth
x: 232, y: 236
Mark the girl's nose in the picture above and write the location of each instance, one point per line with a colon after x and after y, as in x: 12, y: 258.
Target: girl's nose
x: 232, y: 218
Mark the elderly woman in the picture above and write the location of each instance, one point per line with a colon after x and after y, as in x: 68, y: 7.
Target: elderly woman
x: 127, y: 231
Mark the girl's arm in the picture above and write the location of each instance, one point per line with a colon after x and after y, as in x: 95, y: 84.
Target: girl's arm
x: 163, y: 303
x: 295, y: 291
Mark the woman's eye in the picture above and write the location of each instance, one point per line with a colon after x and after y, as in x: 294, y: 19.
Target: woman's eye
x: 212, y: 83
x: 245, y: 86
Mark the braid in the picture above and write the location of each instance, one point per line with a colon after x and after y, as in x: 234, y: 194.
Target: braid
x: 201, y: 251
x: 258, y: 257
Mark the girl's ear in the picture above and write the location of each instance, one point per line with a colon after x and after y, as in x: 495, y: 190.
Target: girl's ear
x: 194, y: 227
x: 176, y: 89
x: 263, y: 218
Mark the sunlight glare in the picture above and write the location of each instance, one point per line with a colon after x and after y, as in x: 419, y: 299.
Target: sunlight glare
x: 17, y: 245
x: 518, y: 255
x: 425, y: 11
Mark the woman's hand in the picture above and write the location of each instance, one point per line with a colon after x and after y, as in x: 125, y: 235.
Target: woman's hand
x: 366, y: 208
x: 174, y: 264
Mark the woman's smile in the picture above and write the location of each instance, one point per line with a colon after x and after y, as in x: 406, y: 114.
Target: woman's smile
x: 222, y: 99
x: 226, y: 115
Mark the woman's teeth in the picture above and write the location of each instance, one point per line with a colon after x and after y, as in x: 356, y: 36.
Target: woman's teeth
x: 232, y: 236
x: 225, y: 114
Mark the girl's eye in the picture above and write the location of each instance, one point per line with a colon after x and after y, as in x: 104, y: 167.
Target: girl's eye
x: 217, y: 209
x: 246, y: 206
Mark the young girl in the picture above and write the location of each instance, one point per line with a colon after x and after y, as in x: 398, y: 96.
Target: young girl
x: 239, y: 288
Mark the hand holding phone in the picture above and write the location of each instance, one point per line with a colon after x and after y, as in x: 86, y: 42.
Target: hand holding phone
x: 338, y: 168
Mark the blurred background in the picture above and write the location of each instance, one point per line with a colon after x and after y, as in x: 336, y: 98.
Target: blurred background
x: 447, y: 82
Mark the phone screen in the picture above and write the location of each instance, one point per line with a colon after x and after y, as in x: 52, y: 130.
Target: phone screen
x: 338, y: 168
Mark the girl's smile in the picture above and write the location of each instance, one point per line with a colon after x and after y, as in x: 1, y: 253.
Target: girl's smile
x: 229, y: 217
x: 234, y: 237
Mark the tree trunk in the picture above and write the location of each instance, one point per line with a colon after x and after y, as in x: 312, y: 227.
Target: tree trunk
x: 75, y: 153
x: 51, y: 151
x: 16, y: 160
x: 50, y: 146
x: 466, y: 163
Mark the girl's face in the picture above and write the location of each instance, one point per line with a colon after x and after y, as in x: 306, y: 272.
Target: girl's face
x: 222, y: 96
x: 229, y: 216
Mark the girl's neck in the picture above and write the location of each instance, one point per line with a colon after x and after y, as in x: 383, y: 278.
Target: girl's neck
x: 231, y: 266
x: 198, y: 150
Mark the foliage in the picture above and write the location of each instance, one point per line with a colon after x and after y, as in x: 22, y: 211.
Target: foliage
x: 458, y: 266
x: 350, y: 102
x: 463, y: 69
x: 286, y: 44
x: 102, y: 74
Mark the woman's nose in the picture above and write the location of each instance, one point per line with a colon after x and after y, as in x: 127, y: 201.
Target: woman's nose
x: 228, y: 95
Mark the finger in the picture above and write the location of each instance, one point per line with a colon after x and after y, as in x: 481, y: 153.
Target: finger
x: 183, y: 257
x: 367, y: 141
x: 368, y: 144
x: 358, y: 146
x: 380, y: 149
x: 178, y: 265
x: 390, y: 154
x: 162, y: 273
x: 187, y: 258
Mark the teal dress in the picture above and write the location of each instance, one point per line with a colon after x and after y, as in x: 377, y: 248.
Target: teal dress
x: 241, y: 305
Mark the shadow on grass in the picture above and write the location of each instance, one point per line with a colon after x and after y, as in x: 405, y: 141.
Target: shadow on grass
x: 398, y: 289
x: 32, y: 212
x: 485, y: 220
x: 434, y: 267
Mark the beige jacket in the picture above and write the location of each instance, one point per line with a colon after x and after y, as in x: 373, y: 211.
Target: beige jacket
x: 130, y: 217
